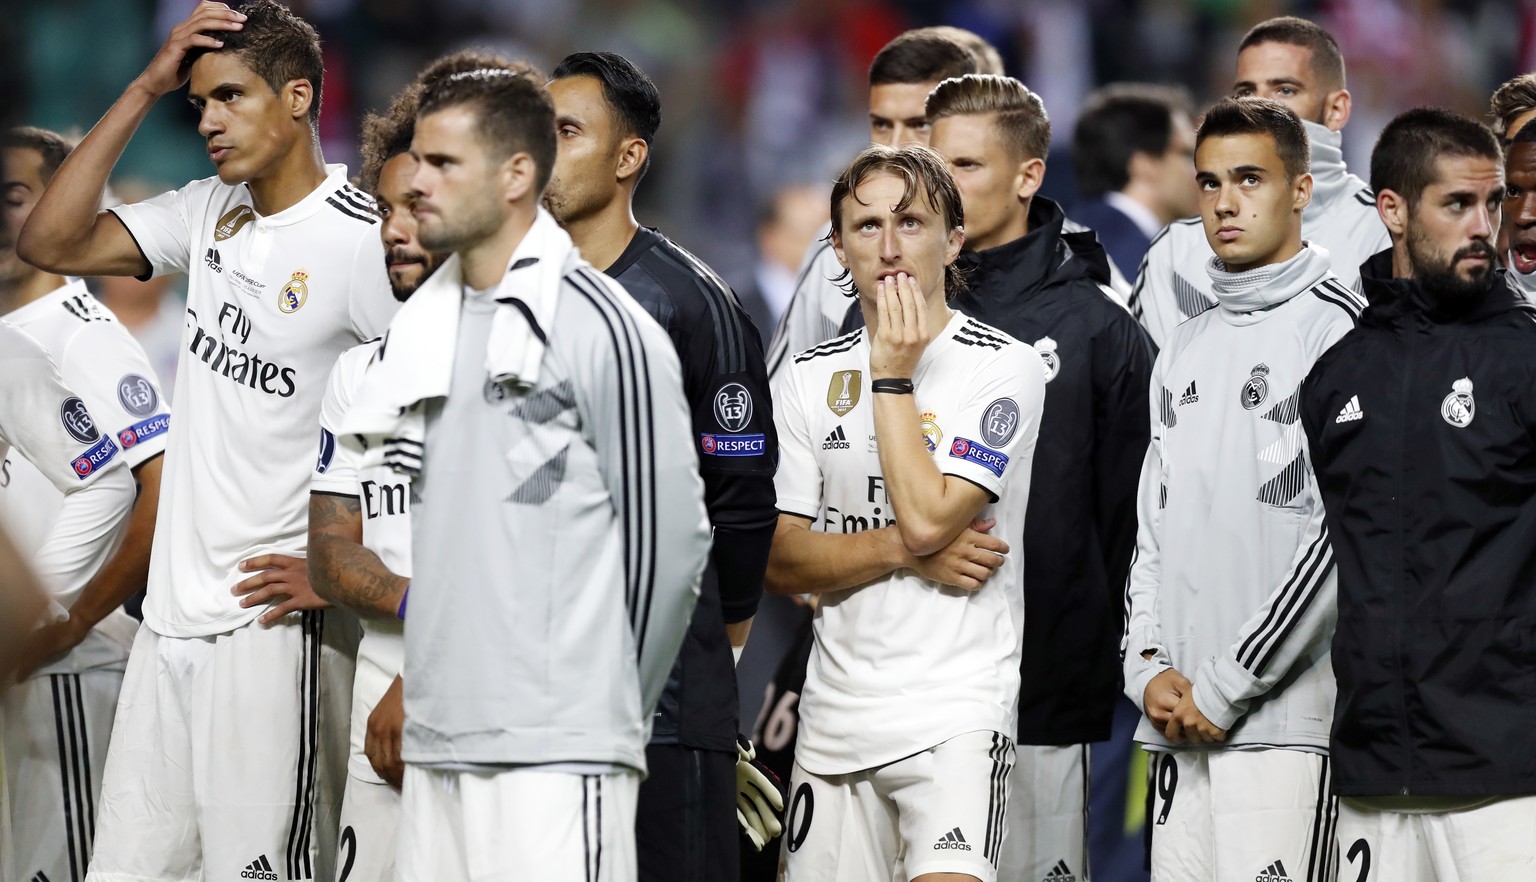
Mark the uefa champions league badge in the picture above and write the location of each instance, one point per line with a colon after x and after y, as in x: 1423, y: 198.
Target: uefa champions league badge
x: 293, y: 295
x: 1049, y: 360
x: 1458, y: 408
x: 1256, y: 388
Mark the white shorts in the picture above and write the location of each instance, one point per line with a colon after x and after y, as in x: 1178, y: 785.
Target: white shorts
x: 939, y: 811
x: 1047, y: 815
x: 1494, y: 841
x: 223, y: 755
x: 1264, y: 815
x: 56, y: 730
x: 521, y: 824
x: 370, y: 819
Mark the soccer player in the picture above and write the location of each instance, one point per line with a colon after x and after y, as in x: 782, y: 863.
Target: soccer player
x: 523, y: 392
x: 56, y: 722
x: 1297, y: 63
x: 98, y: 358
x: 1230, y: 600
x: 359, y: 522
x: 1133, y: 152
x: 910, y: 443
x: 606, y: 115
x: 215, y: 757
x: 900, y: 78
x: 1037, y: 286
x: 1419, y: 428
x: 1513, y: 105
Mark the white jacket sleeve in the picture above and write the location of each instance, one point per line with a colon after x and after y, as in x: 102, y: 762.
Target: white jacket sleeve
x: 1297, y: 615
x: 816, y: 310
x: 1143, y: 631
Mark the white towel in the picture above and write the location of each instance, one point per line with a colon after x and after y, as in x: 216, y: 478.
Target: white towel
x: 387, y: 420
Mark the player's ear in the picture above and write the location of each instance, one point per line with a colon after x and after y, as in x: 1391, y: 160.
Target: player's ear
x: 1303, y: 191
x: 1031, y: 175
x: 519, y: 175
x: 633, y: 153
x: 837, y: 246
x: 298, y: 95
x: 1393, y: 209
x: 1336, y: 107
x: 953, y: 246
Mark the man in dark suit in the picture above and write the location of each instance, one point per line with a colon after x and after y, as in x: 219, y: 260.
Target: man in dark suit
x: 1134, y: 154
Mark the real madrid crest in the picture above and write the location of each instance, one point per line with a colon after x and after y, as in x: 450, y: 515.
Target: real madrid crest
x: 844, y: 390
x: 1048, y: 358
x: 1256, y: 388
x: 1458, y: 408
x: 932, y: 434
x: 294, y: 293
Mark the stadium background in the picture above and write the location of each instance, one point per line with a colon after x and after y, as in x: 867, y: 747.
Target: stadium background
x: 758, y: 95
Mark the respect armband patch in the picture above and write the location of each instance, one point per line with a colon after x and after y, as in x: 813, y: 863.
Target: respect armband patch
x: 733, y: 445
x: 144, y: 430
x: 99, y: 455
x: 989, y: 459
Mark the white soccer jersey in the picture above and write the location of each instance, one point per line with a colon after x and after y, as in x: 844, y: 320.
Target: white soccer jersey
x: 107, y: 368
x: 52, y: 428
x: 271, y: 303
x: 902, y: 664
x: 384, y: 495
x: 1173, y: 285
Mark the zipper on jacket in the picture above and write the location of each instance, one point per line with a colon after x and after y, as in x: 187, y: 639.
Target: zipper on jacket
x: 1402, y: 563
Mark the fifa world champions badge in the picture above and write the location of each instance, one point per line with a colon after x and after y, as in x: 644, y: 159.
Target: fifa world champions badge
x: 293, y: 295
x: 1458, y: 408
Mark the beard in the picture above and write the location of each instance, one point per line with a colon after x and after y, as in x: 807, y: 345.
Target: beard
x: 464, y: 226
x: 1439, y: 276
x: 427, y: 261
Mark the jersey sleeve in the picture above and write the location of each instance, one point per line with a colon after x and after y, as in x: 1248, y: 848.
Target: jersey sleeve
x: 815, y: 310
x: 336, y: 464
x: 1292, y: 624
x: 1154, y: 300
x: 996, y: 427
x: 629, y: 377
x: 798, y: 481
x: 162, y: 227
x: 1143, y: 630
x: 373, y: 302
x: 111, y: 372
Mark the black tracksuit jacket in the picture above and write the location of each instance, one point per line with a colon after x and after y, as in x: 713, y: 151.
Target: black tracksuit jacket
x: 1421, y: 425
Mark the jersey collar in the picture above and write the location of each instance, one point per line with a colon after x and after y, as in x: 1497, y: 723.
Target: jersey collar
x: 335, y: 179
x: 32, y: 311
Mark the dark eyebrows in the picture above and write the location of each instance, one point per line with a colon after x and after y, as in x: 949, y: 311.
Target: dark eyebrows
x: 565, y: 119
x: 1248, y: 169
x: 220, y: 89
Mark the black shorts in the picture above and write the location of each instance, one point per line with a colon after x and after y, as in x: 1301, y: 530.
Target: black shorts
x: 685, y: 823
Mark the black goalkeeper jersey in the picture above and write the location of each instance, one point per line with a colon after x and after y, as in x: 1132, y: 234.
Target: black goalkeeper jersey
x: 726, y: 385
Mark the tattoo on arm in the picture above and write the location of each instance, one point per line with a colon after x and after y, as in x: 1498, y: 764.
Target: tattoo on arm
x: 341, y: 569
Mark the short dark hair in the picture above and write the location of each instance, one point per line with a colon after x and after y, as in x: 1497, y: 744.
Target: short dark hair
x: 1118, y: 122
x: 1408, y: 149
x: 1327, y: 60
x: 629, y: 93
x: 921, y: 57
x: 1021, y: 116
x: 513, y: 109
x: 277, y: 46
x: 386, y: 136
x: 988, y: 59
x: 924, y: 173
x: 1261, y: 116
x: 1510, y: 100
x: 53, y: 147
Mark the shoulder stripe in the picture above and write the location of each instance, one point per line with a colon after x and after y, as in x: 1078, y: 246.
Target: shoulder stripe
x: 974, y: 328
x: 636, y: 449
x: 351, y: 212
x: 356, y: 200
x: 831, y: 347
x: 730, y: 337
x: 1340, y: 298
x: 1366, y: 197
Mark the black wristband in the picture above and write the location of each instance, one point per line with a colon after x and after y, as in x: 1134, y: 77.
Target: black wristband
x: 892, y: 385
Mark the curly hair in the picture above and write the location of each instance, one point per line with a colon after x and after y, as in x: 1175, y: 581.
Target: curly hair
x: 386, y: 136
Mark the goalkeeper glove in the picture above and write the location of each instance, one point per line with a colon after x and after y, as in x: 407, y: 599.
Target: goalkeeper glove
x: 759, y: 801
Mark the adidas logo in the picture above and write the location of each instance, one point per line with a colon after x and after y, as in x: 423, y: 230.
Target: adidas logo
x: 953, y: 839
x: 1351, y: 411
x: 212, y: 259
x: 259, y: 869
x: 1275, y: 872
x: 1190, y: 396
x: 836, y: 440
x: 1059, y: 873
